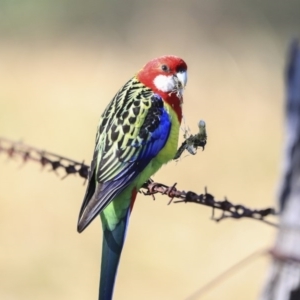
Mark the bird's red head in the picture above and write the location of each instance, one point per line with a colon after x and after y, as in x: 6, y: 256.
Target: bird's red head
x: 167, y: 77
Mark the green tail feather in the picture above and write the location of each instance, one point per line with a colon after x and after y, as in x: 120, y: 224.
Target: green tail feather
x: 111, y: 252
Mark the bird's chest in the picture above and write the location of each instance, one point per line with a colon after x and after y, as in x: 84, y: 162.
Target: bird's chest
x: 165, y: 155
x: 168, y: 152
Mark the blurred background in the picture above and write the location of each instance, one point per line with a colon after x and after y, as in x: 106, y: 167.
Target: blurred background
x: 60, y: 64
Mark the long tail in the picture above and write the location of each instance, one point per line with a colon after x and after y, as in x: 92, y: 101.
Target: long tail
x: 112, y: 245
x: 111, y: 252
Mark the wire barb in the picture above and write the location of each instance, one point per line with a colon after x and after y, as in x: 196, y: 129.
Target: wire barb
x: 228, y: 209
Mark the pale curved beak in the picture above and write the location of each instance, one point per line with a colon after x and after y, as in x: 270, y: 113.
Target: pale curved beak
x: 182, y: 77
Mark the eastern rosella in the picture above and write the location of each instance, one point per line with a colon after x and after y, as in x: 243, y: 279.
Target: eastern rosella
x: 137, y: 134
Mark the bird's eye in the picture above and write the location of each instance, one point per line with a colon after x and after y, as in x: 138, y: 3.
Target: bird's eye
x: 164, y: 68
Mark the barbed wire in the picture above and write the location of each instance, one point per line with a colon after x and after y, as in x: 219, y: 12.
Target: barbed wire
x: 17, y: 149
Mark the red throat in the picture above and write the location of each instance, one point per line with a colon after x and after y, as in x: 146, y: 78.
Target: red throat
x: 174, y: 101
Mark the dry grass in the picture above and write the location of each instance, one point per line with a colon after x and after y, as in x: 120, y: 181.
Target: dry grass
x: 52, y: 95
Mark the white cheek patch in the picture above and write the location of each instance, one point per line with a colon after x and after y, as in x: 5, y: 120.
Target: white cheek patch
x: 164, y: 83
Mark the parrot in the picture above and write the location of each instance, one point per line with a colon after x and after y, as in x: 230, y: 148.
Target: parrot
x: 137, y: 133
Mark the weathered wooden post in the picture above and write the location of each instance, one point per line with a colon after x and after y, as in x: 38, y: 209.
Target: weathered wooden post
x: 283, y: 281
